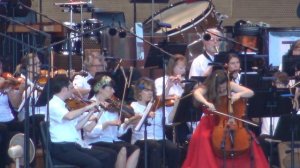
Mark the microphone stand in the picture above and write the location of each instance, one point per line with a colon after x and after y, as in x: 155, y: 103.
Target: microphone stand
x: 163, y: 88
x: 245, y: 47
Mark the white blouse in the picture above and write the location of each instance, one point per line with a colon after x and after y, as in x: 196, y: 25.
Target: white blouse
x: 6, y: 114
x: 154, y: 129
x: 176, y: 89
x: 108, y: 134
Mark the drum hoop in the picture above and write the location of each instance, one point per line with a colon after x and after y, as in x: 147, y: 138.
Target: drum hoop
x: 188, y: 25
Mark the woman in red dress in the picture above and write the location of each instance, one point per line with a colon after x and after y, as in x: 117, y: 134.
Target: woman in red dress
x: 201, y: 153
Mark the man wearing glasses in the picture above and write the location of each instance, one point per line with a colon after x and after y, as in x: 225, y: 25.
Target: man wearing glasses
x: 211, y: 44
x: 93, y: 62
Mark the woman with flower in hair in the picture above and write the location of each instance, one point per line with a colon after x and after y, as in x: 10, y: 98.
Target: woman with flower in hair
x: 108, y: 128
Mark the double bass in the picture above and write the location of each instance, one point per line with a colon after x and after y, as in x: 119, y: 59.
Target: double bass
x: 229, y: 137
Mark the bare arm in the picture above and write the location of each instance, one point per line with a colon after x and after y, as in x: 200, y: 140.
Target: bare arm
x: 84, y: 120
x: 91, y: 125
x: 199, y: 96
x: 240, y: 91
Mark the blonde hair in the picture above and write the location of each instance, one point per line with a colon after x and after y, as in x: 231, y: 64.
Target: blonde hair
x: 173, y: 62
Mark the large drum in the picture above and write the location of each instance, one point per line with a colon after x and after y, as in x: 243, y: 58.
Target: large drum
x: 186, y: 20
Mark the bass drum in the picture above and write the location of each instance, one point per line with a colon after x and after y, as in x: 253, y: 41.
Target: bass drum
x: 186, y: 20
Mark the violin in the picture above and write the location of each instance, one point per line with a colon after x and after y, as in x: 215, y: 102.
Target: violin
x: 158, y: 103
x: 11, y: 81
x: 43, y: 77
x: 74, y: 104
x: 72, y: 73
x: 115, y: 106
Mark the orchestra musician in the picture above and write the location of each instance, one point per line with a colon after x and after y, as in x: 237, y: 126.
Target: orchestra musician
x: 234, y: 67
x: 281, y: 81
x: 176, y: 69
x: 201, y: 151
x: 294, y: 49
x: 65, y: 130
x: 108, y: 126
x: 10, y: 97
x: 93, y: 62
x: 28, y: 69
x: 144, y: 92
x: 211, y: 43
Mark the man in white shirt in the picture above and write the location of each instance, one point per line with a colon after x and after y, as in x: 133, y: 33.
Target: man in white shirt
x: 211, y: 44
x: 94, y: 62
x: 65, y: 126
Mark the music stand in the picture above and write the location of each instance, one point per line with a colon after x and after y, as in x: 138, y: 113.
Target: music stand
x: 155, y: 56
x: 43, y: 98
x: 269, y: 103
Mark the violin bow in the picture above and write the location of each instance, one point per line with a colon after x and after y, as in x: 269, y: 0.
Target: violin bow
x: 124, y: 91
x: 237, y: 118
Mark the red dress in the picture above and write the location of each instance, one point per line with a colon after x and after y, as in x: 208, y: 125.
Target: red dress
x: 201, y: 155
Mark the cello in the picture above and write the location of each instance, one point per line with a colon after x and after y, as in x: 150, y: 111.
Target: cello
x: 229, y: 137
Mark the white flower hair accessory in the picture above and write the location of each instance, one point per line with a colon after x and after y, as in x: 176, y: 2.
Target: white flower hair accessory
x: 105, y: 81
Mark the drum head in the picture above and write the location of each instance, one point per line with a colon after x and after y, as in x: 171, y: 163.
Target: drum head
x: 182, y: 16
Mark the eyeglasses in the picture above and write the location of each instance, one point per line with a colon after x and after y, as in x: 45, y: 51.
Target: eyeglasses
x: 97, y: 65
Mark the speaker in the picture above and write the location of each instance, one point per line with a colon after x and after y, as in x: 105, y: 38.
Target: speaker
x: 284, y: 150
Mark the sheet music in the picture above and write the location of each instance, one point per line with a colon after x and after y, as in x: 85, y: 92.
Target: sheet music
x: 146, y: 112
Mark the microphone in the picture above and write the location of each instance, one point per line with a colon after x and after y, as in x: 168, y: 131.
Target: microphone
x: 163, y: 24
x: 206, y: 37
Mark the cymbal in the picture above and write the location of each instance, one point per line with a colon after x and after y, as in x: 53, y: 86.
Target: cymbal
x: 63, y: 4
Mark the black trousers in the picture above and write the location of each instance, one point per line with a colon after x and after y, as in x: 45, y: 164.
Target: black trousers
x: 154, y: 151
x: 116, y: 146
x: 74, y: 154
